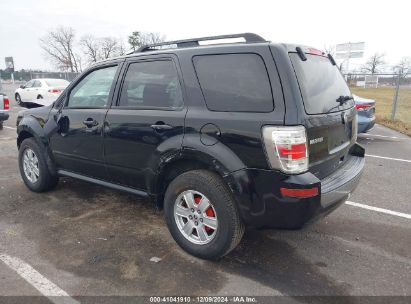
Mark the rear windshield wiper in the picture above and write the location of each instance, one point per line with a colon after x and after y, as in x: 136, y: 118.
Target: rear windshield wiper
x: 344, y: 99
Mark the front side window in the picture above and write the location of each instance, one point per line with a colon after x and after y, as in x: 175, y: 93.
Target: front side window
x: 234, y: 82
x: 151, y: 84
x: 29, y: 84
x: 93, y: 90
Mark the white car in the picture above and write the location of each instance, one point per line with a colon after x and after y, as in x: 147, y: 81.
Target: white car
x: 37, y: 89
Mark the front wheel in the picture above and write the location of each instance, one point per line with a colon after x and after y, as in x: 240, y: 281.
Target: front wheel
x: 201, y: 214
x: 33, y: 167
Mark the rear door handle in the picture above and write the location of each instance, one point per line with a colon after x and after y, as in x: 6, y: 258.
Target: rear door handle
x: 90, y: 122
x: 161, y: 126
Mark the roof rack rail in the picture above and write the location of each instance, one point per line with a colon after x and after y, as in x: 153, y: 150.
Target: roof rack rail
x: 248, y: 37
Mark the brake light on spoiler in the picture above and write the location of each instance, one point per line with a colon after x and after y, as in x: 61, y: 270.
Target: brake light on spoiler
x: 286, y: 148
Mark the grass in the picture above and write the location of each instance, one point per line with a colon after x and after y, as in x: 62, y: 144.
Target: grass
x: 384, y: 97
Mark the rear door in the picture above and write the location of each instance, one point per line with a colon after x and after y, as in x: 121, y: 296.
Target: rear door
x: 36, y: 90
x: 330, y: 121
x: 146, y: 122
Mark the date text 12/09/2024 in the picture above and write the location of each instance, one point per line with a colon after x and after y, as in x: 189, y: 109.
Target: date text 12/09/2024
x: 206, y: 299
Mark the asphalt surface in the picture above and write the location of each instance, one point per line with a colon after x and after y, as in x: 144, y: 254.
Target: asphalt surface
x: 90, y: 241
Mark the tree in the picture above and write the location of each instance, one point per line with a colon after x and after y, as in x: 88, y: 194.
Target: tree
x: 138, y: 39
x: 91, y: 48
x: 96, y: 49
x: 151, y: 38
x: 403, y: 67
x: 134, y: 40
x: 58, y: 45
x: 121, y: 48
x: 109, y: 47
x: 374, y: 63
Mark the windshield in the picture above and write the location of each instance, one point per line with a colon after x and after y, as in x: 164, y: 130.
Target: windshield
x: 57, y: 83
x: 321, y: 84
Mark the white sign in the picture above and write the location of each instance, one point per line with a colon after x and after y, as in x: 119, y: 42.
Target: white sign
x: 347, y: 47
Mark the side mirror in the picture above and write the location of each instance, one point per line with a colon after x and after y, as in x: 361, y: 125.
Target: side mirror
x: 22, y: 86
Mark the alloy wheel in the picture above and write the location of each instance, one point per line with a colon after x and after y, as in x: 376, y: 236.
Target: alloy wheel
x: 196, y: 217
x: 31, y: 165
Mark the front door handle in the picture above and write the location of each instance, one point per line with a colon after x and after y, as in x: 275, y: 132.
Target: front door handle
x: 90, y: 122
x: 161, y: 126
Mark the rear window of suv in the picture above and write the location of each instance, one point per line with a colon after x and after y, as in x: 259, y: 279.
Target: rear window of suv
x: 234, y: 82
x: 321, y: 83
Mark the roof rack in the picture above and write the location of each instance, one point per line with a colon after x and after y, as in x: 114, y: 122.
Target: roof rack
x: 248, y: 37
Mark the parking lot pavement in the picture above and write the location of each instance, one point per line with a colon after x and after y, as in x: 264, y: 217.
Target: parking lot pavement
x: 88, y: 240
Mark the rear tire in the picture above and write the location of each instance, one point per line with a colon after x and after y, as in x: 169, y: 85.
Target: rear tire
x: 33, y: 167
x: 209, y: 187
x: 1, y: 125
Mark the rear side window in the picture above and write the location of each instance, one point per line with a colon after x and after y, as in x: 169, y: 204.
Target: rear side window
x: 151, y: 84
x: 234, y: 82
x: 36, y: 84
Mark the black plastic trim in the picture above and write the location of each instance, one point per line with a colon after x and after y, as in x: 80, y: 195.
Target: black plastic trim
x: 102, y: 183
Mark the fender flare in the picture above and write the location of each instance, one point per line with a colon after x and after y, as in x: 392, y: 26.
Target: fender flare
x: 33, y: 126
x: 218, y: 158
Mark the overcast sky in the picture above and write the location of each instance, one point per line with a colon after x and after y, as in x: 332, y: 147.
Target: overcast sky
x: 383, y: 25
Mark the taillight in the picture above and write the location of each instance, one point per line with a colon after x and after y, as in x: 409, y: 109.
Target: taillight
x: 286, y: 148
x: 362, y: 107
x: 54, y: 91
x: 6, y: 102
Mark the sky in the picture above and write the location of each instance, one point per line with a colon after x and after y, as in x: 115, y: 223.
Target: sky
x: 382, y: 25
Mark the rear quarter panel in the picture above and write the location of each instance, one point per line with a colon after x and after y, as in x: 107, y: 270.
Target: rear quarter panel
x: 239, y: 141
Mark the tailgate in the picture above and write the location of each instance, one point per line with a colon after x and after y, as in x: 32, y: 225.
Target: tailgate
x: 329, y: 140
x: 330, y: 115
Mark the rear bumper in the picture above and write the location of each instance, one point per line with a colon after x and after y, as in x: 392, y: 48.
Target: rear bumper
x: 262, y: 205
x: 4, y: 116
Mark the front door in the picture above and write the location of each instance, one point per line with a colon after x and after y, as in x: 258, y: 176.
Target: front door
x: 26, y: 93
x: 147, y: 121
x: 77, y: 146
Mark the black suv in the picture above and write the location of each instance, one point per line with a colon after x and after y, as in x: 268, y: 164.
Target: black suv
x: 221, y: 136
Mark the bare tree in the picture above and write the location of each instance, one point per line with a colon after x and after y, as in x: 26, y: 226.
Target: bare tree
x: 403, y: 67
x: 58, y: 45
x: 138, y: 39
x: 121, y: 48
x: 91, y: 48
x: 109, y: 47
x: 374, y: 63
x: 96, y: 49
x: 151, y: 38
